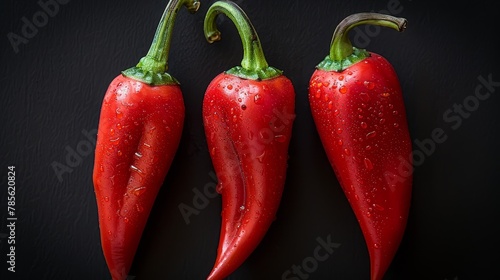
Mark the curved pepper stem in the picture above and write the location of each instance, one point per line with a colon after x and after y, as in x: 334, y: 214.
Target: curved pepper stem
x: 152, y: 69
x: 342, y: 53
x: 253, y: 65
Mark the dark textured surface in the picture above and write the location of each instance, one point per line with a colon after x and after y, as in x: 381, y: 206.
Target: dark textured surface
x: 53, y: 87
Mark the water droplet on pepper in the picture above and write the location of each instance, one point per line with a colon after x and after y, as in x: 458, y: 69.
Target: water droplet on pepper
x: 139, y: 191
x: 371, y: 134
x: 219, y: 188
x: 139, y: 208
x: 365, y: 97
x: 369, y: 85
x: 378, y: 207
x: 368, y: 164
x: 280, y: 138
x: 257, y: 99
x: 136, y: 169
x: 118, y: 113
x: 261, y: 157
x: 317, y: 94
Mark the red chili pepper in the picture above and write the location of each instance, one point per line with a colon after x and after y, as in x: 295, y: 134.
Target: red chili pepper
x: 358, y: 109
x: 139, y: 131
x: 248, y: 113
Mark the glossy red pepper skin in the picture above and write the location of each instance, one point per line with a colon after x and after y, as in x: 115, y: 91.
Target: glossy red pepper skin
x: 248, y: 114
x: 248, y: 126
x: 139, y: 131
x: 360, y: 116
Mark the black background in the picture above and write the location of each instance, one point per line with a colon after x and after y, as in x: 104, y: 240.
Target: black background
x: 52, y: 88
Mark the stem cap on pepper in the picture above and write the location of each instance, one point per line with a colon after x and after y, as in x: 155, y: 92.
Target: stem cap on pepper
x: 342, y: 53
x: 152, y: 68
x: 253, y: 65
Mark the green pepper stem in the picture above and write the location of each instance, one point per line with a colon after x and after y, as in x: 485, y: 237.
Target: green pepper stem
x: 253, y: 64
x: 341, y: 47
x: 152, y: 68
